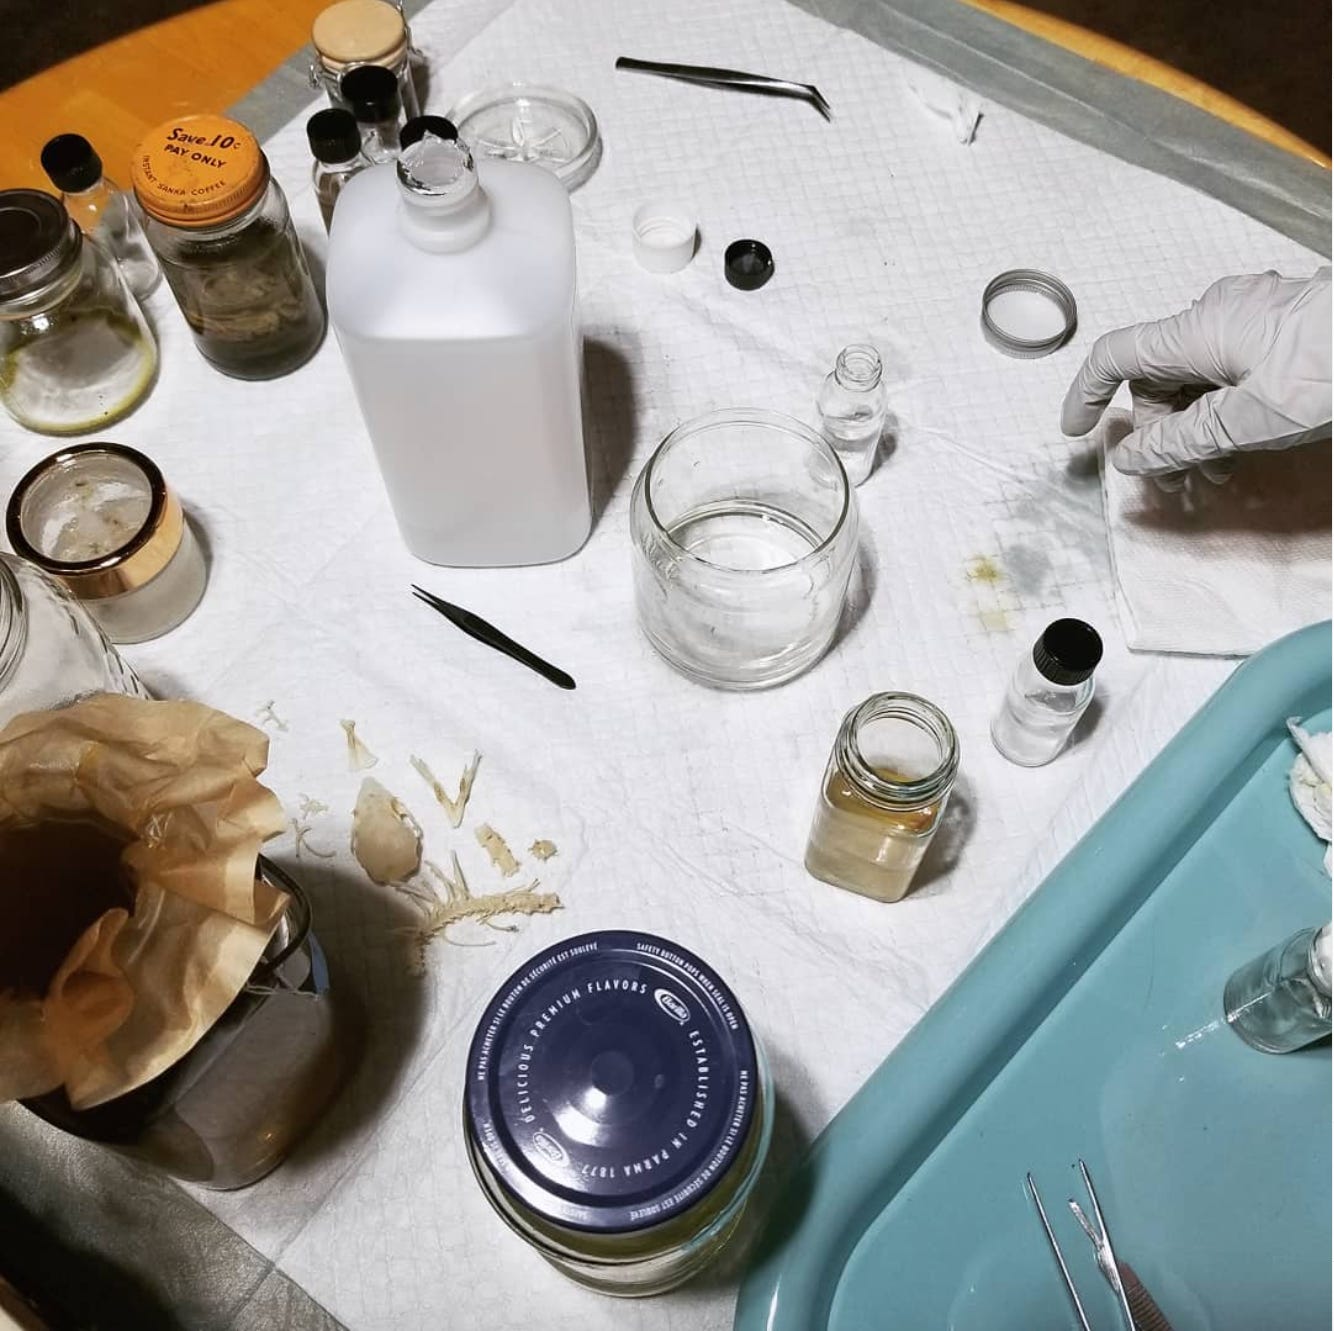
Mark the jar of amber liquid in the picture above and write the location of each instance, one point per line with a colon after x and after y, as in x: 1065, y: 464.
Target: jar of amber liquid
x: 219, y: 225
x: 884, y: 793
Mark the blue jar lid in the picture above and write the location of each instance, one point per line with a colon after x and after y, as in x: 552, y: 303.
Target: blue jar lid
x: 611, y: 1082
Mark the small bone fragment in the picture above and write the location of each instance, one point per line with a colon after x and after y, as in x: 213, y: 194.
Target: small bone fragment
x: 501, y: 856
x: 359, y: 757
x: 385, y: 837
x: 457, y: 806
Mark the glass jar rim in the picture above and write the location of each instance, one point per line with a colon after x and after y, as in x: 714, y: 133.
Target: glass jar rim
x: 745, y: 416
x: 899, y: 795
x: 131, y: 565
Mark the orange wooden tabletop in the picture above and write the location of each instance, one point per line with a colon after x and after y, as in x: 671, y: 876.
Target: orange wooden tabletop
x: 202, y: 60
x: 208, y: 58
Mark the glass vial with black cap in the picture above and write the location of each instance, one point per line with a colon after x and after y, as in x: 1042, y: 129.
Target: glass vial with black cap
x: 100, y: 208
x: 1049, y: 692
x: 335, y: 142
x: 372, y: 93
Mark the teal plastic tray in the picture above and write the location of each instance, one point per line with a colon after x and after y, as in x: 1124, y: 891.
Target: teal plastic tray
x: 1092, y: 1026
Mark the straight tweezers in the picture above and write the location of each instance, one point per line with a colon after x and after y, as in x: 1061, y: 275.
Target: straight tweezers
x: 476, y: 627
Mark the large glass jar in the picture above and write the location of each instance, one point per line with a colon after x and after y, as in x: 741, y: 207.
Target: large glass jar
x: 228, y: 1111
x: 744, y: 535
x: 883, y: 796
x: 219, y: 225
x: 51, y: 651
x: 75, y: 352
x: 618, y: 1110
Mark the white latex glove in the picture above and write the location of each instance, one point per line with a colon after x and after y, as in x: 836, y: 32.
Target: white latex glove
x: 1246, y: 367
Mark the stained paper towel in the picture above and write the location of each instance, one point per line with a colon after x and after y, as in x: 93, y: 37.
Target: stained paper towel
x: 676, y: 809
x: 1220, y: 569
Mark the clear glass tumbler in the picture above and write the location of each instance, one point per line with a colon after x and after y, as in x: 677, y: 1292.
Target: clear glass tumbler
x: 744, y: 535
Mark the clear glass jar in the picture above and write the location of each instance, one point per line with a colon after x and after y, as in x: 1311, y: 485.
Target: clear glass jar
x: 852, y: 403
x: 363, y: 32
x: 1050, y: 690
x: 618, y: 1110
x: 1280, y: 1000
x: 219, y: 225
x: 75, y: 352
x: 101, y: 520
x: 883, y: 796
x: 744, y: 536
x: 101, y: 209
x: 229, y: 1110
x: 51, y: 651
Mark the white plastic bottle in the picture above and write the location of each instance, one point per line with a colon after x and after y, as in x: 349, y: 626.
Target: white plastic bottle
x: 451, y: 288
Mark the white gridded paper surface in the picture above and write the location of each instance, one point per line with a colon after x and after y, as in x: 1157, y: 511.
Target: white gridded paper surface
x: 676, y: 809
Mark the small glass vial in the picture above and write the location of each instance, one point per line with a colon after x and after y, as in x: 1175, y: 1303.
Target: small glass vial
x: 100, y: 519
x: 884, y: 793
x: 219, y: 225
x: 1048, y: 693
x: 618, y: 1110
x: 362, y: 32
x: 51, y: 651
x: 335, y: 142
x: 852, y: 404
x: 101, y: 209
x: 1280, y: 1001
x: 372, y: 94
x: 75, y: 352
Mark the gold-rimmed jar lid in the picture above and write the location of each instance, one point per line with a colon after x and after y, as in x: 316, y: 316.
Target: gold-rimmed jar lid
x: 98, y: 517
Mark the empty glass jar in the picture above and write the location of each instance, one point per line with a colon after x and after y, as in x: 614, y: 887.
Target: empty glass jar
x: 101, y: 520
x: 75, y: 352
x: 219, y: 225
x: 852, y: 404
x: 744, y: 537
x: 51, y: 651
x: 1280, y: 1000
x: 883, y: 796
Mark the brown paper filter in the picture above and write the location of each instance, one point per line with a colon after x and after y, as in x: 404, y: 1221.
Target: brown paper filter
x: 130, y: 911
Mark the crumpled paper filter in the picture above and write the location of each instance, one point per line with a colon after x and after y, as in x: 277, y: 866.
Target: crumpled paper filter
x: 139, y: 986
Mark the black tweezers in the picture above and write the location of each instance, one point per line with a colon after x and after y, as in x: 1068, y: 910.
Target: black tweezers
x: 476, y: 627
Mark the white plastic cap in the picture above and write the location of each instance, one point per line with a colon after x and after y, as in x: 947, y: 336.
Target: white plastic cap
x: 664, y: 236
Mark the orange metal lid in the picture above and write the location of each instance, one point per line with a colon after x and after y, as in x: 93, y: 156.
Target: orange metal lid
x: 198, y: 171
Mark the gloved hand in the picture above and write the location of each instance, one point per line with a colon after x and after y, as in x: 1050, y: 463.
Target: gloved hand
x: 1246, y: 367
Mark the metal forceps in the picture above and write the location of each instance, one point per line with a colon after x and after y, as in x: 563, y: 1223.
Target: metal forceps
x: 730, y: 78
x: 1096, y: 1229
